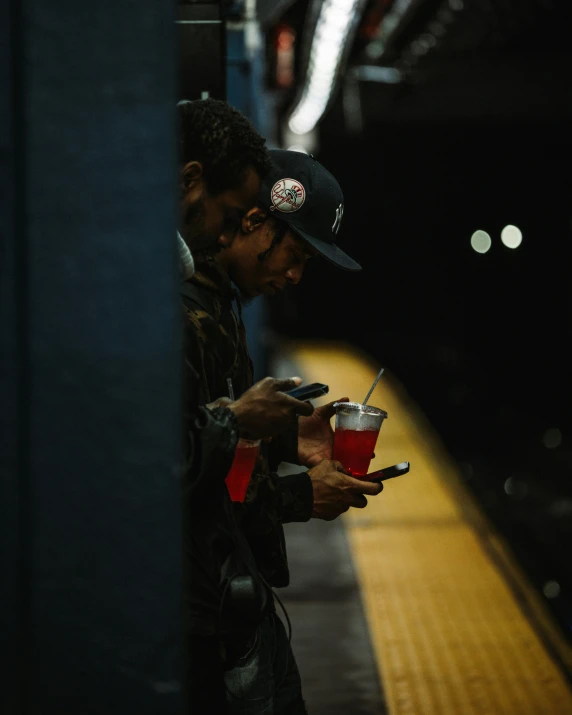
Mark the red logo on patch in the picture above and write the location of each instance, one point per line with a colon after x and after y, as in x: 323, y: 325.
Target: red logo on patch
x: 287, y: 195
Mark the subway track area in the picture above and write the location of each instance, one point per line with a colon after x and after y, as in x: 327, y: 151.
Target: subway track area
x: 414, y: 605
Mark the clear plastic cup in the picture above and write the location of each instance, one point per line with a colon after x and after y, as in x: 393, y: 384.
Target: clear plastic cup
x: 357, y: 429
x: 238, y: 477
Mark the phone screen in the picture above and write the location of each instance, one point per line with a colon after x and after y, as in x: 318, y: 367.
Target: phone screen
x: 309, y: 392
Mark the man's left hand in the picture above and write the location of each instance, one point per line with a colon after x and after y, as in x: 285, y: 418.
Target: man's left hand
x: 220, y: 402
x: 316, y: 436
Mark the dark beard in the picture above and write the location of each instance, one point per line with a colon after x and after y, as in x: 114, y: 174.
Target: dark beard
x: 201, y: 245
x: 208, y: 250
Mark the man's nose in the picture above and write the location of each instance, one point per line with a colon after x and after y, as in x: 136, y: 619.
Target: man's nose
x: 294, y: 275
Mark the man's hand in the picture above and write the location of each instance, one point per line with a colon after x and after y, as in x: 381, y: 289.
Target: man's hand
x: 265, y: 411
x: 316, y: 436
x: 335, y: 491
x: 219, y: 402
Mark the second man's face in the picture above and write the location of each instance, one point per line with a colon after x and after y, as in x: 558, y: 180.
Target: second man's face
x: 283, y: 265
x: 204, y: 217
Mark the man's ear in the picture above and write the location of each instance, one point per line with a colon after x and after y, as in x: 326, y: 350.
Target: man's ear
x: 191, y: 176
x: 253, y: 219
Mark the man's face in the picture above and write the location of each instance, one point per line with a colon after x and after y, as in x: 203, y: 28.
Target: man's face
x: 205, y: 217
x: 283, y: 265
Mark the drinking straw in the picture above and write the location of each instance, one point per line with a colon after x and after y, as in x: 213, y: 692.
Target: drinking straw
x: 230, y: 390
x: 372, y: 388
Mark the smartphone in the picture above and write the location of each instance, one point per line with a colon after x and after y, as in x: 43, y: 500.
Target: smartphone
x: 389, y: 472
x: 309, y: 392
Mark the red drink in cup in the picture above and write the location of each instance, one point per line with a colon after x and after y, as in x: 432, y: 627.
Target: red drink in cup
x: 357, y: 428
x: 353, y: 448
x: 238, y: 478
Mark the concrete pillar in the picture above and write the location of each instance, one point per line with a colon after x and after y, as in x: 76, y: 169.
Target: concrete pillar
x: 90, y: 398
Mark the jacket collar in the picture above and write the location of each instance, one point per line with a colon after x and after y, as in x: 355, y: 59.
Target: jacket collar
x: 210, y: 274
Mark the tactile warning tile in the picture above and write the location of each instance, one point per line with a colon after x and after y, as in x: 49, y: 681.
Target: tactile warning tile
x: 448, y: 633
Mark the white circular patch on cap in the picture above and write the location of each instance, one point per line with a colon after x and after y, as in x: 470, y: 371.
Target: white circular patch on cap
x: 287, y: 195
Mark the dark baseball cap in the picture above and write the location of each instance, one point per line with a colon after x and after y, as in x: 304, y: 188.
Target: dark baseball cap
x: 299, y: 191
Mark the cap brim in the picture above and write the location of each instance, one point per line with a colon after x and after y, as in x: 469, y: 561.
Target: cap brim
x: 334, y: 254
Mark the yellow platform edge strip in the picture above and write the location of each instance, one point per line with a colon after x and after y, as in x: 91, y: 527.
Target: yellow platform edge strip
x: 455, y: 625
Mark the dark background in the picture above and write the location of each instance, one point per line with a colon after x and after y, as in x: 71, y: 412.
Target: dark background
x: 477, y: 138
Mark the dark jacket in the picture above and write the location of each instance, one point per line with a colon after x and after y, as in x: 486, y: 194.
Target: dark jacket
x: 215, y: 548
x: 217, y: 350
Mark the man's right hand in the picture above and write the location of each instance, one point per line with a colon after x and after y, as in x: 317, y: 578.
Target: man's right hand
x: 265, y: 411
x: 335, y: 491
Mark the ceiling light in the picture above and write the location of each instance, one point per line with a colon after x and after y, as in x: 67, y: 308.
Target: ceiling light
x: 332, y: 29
x: 481, y: 241
x: 511, y: 236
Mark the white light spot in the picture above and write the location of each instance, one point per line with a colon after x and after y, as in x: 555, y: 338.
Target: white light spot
x: 515, y: 488
x: 511, y: 236
x: 552, y: 438
x: 429, y: 39
x: 297, y: 147
x: 419, y: 47
x: 374, y: 73
x: 456, y: 5
x: 481, y: 241
x: 551, y: 589
x: 328, y: 43
x: 374, y: 50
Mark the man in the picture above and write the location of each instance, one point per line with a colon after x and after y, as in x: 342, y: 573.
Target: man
x: 223, y: 161
x: 298, y: 216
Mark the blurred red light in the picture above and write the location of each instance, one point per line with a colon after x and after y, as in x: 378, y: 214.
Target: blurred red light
x: 285, y: 38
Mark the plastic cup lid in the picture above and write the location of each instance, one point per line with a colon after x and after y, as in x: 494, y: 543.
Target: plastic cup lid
x: 349, y: 407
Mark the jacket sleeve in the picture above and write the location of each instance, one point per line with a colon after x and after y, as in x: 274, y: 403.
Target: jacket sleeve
x: 210, y: 443
x: 209, y: 436
x: 279, y: 500
x: 284, y: 447
x: 292, y: 495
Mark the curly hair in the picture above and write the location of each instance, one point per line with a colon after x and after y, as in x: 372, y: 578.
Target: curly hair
x: 223, y: 140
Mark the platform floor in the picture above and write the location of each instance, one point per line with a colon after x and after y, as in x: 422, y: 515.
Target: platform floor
x: 437, y: 605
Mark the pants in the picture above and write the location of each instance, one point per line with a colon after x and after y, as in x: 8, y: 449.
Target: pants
x: 205, y: 676
x: 264, y: 680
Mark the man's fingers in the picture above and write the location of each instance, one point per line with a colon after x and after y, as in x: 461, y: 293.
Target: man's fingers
x: 219, y: 402
x: 284, y: 384
x: 359, y: 501
x: 328, y: 410
x: 376, y: 488
x: 299, y: 407
x: 364, y: 486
